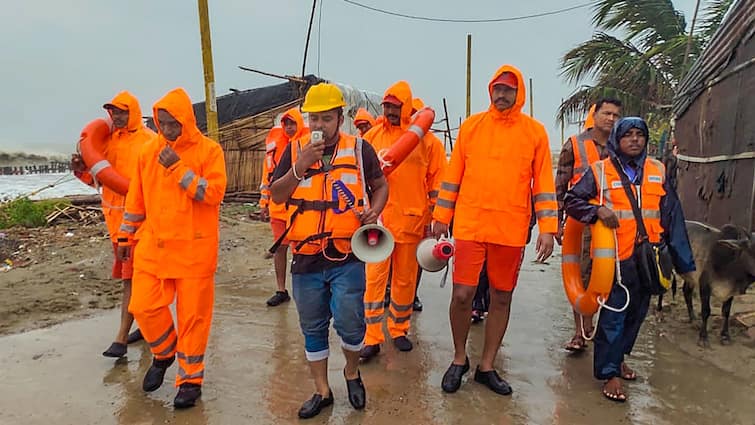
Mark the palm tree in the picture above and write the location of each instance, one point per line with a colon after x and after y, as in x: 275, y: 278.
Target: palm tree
x: 637, y: 54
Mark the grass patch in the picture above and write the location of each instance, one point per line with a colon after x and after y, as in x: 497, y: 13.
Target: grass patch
x: 27, y: 213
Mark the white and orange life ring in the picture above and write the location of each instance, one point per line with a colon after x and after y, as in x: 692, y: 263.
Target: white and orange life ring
x: 603, y: 253
x: 92, y: 144
x: 421, y: 122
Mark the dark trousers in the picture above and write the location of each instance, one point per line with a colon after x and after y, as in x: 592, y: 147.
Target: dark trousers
x: 617, y: 332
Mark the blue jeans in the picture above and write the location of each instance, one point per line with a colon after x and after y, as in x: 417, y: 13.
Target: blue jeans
x: 337, y: 292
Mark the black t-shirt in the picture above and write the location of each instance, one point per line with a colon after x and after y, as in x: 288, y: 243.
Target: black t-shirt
x: 314, y: 263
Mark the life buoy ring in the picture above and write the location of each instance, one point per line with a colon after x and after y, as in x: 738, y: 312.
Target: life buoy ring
x: 603, y: 253
x: 393, y: 157
x: 92, y: 143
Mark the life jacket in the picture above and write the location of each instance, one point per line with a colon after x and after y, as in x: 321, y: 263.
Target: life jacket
x: 585, y: 153
x: 614, y: 196
x: 275, y: 144
x: 323, y: 200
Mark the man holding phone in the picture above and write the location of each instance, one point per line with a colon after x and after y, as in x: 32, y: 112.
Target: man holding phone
x: 334, y: 183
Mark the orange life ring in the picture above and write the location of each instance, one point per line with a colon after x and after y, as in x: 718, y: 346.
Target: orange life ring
x: 405, y: 144
x: 603, y: 253
x: 92, y: 143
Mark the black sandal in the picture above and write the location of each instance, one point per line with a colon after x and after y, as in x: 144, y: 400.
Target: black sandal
x: 116, y: 350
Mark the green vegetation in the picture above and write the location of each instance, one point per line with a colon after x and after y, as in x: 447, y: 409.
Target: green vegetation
x: 639, y: 54
x: 27, y: 213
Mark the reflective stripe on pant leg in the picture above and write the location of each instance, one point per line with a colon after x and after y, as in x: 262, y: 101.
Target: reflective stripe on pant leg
x: 347, y: 283
x: 150, y: 298
x: 403, y: 285
x: 374, y: 297
x: 312, y: 298
x: 194, y: 305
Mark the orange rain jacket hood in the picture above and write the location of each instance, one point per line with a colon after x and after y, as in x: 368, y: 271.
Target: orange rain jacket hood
x: 121, y: 151
x: 513, y: 114
x: 364, y: 115
x: 174, y: 212
x: 415, y: 182
x: 296, y: 115
x: 275, y: 145
x: 402, y: 92
x: 500, y: 164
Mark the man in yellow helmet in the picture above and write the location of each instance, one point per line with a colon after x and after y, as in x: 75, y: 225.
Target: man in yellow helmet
x: 334, y: 183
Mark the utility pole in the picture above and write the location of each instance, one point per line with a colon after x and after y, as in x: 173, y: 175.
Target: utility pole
x: 309, y: 33
x: 689, y: 39
x: 469, y: 75
x: 210, y: 103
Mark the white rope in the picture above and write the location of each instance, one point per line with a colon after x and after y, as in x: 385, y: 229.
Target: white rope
x: 604, y: 303
x: 383, y: 163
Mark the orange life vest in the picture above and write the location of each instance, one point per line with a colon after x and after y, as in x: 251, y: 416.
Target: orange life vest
x: 585, y: 153
x: 275, y: 145
x: 651, y: 191
x: 320, y: 211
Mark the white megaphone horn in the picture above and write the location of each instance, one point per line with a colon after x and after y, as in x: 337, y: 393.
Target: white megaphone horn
x: 372, y: 243
x: 433, y: 255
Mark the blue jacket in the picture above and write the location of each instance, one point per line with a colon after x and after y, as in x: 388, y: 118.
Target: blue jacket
x: 576, y: 200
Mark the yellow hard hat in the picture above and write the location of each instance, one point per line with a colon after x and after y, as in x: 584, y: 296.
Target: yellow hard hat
x: 323, y: 97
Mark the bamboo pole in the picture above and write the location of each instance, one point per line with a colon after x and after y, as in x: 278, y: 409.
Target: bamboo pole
x: 448, y: 125
x: 270, y: 74
x: 532, y: 97
x: 210, y: 102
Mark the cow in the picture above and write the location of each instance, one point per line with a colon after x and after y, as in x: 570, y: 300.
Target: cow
x: 725, y: 261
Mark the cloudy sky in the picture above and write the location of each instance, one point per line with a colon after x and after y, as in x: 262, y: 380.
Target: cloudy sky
x: 63, y: 59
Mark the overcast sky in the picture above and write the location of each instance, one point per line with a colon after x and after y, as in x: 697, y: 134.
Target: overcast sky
x: 63, y: 59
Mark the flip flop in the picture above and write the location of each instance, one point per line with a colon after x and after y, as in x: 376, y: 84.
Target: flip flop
x: 631, y: 376
x: 576, y: 344
x: 619, y: 397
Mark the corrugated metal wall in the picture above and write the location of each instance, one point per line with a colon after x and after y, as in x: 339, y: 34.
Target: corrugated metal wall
x: 720, y: 121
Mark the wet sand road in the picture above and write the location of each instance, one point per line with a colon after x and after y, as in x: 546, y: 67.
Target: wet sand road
x: 256, y: 372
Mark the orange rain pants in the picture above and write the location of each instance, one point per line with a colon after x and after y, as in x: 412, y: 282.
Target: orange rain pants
x: 403, y: 261
x: 150, y: 301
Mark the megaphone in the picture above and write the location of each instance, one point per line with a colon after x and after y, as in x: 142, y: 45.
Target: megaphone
x: 433, y: 255
x: 372, y: 243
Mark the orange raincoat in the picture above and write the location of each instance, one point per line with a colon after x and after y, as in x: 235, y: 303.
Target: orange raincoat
x: 121, y: 151
x: 363, y: 115
x: 413, y: 186
x: 500, y: 162
x: 174, y: 214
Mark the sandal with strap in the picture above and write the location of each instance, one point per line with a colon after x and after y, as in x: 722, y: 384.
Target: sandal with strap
x: 617, y: 396
x: 576, y: 344
x: 627, y: 374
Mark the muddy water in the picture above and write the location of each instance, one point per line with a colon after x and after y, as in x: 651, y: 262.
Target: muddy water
x: 256, y: 372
